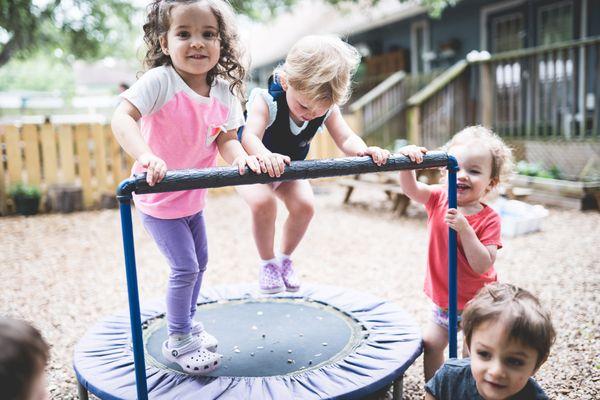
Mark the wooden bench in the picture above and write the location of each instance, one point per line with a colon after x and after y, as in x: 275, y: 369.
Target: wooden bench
x: 382, y: 182
x: 518, y: 193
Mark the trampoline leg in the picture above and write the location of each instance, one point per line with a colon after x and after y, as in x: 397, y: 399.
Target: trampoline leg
x: 83, y: 393
x: 397, y: 388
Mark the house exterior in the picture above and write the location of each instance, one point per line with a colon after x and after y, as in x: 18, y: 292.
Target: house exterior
x: 270, y: 42
x: 406, y: 36
x: 492, y: 25
x: 530, y: 69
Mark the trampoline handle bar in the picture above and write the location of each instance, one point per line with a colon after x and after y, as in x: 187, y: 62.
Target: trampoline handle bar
x: 452, y: 264
x: 188, y: 179
x: 229, y: 176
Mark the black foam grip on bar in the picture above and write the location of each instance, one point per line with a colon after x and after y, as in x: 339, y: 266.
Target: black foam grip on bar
x: 186, y: 179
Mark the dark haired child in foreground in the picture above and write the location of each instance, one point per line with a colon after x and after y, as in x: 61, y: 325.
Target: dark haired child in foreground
x: 23, y: 357
x: 509, y: 335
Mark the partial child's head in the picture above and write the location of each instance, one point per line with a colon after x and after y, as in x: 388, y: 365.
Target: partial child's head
x: 317, y: 74
x: 484, y: 161
x: 123, y: 87
x: 509, y: 335
x: 197, y: 37
x: 23, y: 357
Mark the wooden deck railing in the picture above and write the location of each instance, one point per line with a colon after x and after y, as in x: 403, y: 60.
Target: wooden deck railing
x: 380, y: 113
x: 440, y: 108
x: 544, y: 92
x: 550, y: 92
x: 85, y: 155
x: 380, y: 104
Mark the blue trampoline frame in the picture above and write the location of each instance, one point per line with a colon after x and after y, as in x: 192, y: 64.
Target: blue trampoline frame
x: 229, y: 176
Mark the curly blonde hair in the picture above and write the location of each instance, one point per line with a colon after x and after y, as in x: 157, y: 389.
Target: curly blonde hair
x: 502, y: 159
x: 321, y: 67
x: 229, y: 66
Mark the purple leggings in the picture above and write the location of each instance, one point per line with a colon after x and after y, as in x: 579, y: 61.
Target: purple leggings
x: 183, y: 242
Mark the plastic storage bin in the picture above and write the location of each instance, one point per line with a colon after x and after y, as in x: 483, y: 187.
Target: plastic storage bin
x: 519, y: 218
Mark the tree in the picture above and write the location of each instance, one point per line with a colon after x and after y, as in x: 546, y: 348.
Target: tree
x: 78, y: 27
x: 259, y: 9
x: 94, y: 28
x: 436, y: 7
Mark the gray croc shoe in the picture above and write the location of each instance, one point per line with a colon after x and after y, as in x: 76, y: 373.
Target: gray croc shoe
x: 193, y: 358
x: 209, y: 342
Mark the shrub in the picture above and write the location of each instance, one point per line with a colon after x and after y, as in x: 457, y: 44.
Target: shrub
x: 532, y: 169
x: 20, y: 190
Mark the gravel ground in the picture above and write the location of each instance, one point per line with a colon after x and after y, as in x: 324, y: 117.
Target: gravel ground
x: 64, y: 272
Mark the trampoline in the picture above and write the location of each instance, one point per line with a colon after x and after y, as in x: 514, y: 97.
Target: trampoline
x: 322, y: 342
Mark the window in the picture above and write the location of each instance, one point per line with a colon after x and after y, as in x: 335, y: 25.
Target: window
x: 508, y: 33
x: 555, y: 23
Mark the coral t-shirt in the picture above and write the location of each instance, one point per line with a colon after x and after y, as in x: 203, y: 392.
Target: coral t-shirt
x: 485, y: 223
x: 180, y: 126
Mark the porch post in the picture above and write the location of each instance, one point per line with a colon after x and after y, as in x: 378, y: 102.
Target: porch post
x: 413, y: 117
x: 582, y: 66
x: 486, y: 94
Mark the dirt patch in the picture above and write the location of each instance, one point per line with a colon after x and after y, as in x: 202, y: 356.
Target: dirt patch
x: 64, y: 272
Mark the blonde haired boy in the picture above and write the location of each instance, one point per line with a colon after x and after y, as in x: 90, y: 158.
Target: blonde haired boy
x: 303, y: 96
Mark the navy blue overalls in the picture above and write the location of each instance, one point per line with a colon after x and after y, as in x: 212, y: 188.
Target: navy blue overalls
x: 278, y: 137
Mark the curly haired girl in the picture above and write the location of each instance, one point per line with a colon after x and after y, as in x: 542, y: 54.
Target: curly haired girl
x: 188, y: 110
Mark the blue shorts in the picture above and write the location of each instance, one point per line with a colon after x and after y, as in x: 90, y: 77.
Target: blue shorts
x: 439, y: 315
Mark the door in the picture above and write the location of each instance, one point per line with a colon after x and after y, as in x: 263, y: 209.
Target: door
x: 419, y: 48
x: 507, y: 33
x: 556, y: 70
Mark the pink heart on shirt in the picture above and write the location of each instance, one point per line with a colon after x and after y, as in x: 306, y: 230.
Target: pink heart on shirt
x: 213, y: 132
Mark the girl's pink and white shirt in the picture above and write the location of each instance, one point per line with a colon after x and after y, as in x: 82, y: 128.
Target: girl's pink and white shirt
x: 180, y: 126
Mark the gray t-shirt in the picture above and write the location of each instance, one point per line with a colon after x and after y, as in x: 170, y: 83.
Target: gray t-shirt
x: 455, y: 381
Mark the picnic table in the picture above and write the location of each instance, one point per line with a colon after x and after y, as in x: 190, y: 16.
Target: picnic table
x: 388, y: 183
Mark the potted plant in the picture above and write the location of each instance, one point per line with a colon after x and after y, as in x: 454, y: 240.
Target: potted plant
x: 26, y: 198
x: 549, y: 186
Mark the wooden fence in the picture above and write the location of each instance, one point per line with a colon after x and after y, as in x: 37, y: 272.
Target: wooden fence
x: 85, y: 155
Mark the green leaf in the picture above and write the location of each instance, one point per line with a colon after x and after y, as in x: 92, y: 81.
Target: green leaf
x: 23, y: 190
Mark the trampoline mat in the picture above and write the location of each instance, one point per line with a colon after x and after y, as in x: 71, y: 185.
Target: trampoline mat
x: 322, y: 342
x: 267, y: 337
